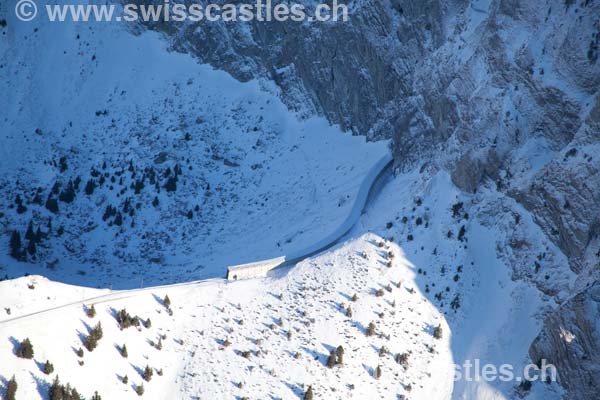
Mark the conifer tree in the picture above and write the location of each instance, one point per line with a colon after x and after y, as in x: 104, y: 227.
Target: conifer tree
x: 378, y: 372
x: 331, y: 359
x: 437, y: 332
x: 339, y: 352
x: 48, y: 368
x: 11, y: 389
x: 371, y: 329
x: 148, y: 373
x: 309, y: 395
x: 30, y: 235
x: 52, y: 204
x: 15, y: 245
x: 91, y: 312
x: 25, y: 349
x: 140, y: 389
x: 31, y: 248
x: 90, y: 186
x: 124, y: 351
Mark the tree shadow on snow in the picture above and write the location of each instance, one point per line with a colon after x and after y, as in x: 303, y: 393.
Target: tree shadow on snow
x: 296, y: 389
x: 3, y: 383
x: 42, y: 386
x: 15, y: 344
x: 158, y: 299
x: 316, y: 355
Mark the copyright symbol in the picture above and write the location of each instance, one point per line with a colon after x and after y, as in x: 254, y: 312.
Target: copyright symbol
x: 26, y: 10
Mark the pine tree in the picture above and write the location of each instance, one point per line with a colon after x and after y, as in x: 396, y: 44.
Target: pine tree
x: 63, y: 164
x: 67, y: 195
x: 90, y: 343
x: 371, y: 329
x: 52, y: 204
x: 437, y: 332
x: 147, y: 373
x: 56, y: 390
x: 339, y: 352
x: 139, y: 185
x: 309, y: 395
x: 15, y: 245
x: 118, y: 219
x: 331, y: 359
x: 20, y: 207
x: 48, y: 368
x: 461, y: 233
x: 72, y: 394
x: 77, y: 182
x: 167, y: 301
x: 31, y: 248
x: 125, y: 320
x: 25, y: 349
x: 91, y: 312
x: 140, y: 389
x: 90, y: 186
x: 30, y: 235
x: 171, y: 185
x: 124, y: 351
x: 402, y: 359
x: 97, y: 332
x: 96, y: 396
x: 378, y: 372
x: 11, y: 389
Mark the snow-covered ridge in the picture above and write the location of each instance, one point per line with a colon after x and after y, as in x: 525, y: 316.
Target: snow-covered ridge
x: 273, y: 335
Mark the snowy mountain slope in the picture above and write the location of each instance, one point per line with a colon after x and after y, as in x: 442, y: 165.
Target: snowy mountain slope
x: 231, y: 340
x: 503, y: 95
x: 152, y: 159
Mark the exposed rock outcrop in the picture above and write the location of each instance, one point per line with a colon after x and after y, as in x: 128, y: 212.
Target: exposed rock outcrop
x: 570, y: 340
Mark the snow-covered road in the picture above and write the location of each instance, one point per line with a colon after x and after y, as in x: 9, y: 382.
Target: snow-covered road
x: 361, y: 202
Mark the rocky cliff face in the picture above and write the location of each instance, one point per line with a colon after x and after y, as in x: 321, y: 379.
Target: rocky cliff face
x: 359, y: 74
x: 501, y: 93
x: 570, y: 340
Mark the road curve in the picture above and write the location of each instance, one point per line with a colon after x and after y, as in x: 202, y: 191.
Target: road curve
x: 360, y: 203
x: 260, y: 268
